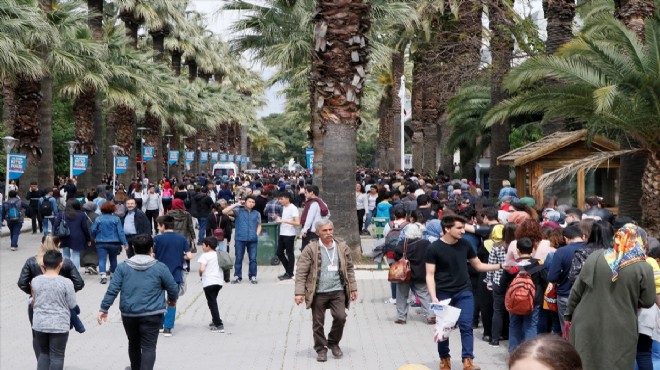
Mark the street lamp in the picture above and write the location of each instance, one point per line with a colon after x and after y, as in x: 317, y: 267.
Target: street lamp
x: 184, y: 165
x: 168, y: 136
x: 115, y: 151
x: 72, y: 149
x: 199, y: 156
x: 142, y: 130
x: 9, y: 143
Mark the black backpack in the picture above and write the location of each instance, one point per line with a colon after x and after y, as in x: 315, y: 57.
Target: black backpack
x: 45, y: 208
x: 579, y: 258
x: 392, y: 238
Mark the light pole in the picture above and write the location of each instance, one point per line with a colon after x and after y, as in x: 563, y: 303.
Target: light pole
x: 8, y: 142
x: 184, y: 164
x: 72, y: 149
x: 115, y: 151
x: 199, y: 156
x: 209, y: 145
x: 141, y: 130
x: 169, y: 136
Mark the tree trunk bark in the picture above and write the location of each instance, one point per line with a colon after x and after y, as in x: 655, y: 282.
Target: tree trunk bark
x: 153, y: 138
x: 27, y: 127
x: 419, y: 76
x: 394, y: 152
x: 244, y: 144
x: 176, y: 62
x: 46, y: 175
x: 8, y: 105
x: 446, y: 159
x: 384, y: 131
x: 84, y: 110
x: 651, y: 195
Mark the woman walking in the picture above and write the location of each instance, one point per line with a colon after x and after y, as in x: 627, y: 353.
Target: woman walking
x: 109, y: 237
x: 78, y: 237
x: 362, y: 203
x: 152, y: 207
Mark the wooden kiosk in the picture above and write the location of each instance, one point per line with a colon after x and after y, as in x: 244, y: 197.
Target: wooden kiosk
x: 558, y: 150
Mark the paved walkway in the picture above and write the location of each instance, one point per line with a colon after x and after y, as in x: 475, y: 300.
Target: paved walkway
x: 264, y: 328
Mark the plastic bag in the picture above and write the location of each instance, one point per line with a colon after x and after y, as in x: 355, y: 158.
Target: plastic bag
x: 446, y: 317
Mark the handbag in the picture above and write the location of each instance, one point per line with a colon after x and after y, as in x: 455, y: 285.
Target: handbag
x: 400, y: 270
x: 550, y: 298
x: 225, y: 260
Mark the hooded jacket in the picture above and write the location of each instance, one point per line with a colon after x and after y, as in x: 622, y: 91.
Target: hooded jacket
x: 183, y: 222
x: 142, y: 281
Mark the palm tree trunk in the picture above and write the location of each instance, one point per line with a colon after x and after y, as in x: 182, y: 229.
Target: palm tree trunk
x: 244, y: 143
x: 176, y: 62
x: 384, y: 130
x: 192, y: 70
x: 8, y: 104
x: 633, y: 13
x: 84, y: 110
x: 447, y: 159
x: 27, y: 127
x: 419, y: 78
x: 394, y: 151
x: 501, y: 45
x: 153, y: 138
x: 651, y: 194
x: 46, y: 175
x: 125, y: 122
x: 338, y: 73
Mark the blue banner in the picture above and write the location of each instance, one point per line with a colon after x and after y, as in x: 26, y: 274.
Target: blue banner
x: 80, y: 162
x: 203, y: 157
x: 247, y: 160
x: 148, y: 153
x: 309, y: 156
x: 231, y: 158
x: 223, y: 157
x: 239, y: 158
x: 190, y: 157
x: 121, y: 164
x: 173, y: 157
x: 214, y: 157
x: 17, y: 163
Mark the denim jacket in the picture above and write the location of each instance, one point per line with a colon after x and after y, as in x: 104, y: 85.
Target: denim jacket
x: 246, y: 224
x: 108, y: 229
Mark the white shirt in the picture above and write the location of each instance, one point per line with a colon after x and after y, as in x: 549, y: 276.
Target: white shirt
x: 288, y: 214
x: 372, y: 202
x: 212, y: 274
x: 151, y: 202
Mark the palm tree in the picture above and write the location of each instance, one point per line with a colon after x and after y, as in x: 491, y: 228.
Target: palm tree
x: 608, y: 80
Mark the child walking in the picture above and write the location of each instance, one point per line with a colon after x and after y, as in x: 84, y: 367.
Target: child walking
x: 212, y: 281
x: 54, y: 298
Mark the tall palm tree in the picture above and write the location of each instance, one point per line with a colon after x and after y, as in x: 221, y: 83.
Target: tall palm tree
x: 608, y: 80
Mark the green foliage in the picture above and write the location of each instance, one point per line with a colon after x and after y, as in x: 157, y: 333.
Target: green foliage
x: 63, y: 131
x: 293, y: 138
x: 366, y: 152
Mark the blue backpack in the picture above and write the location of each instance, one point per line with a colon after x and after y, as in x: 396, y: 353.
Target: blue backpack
x: 13, y: 212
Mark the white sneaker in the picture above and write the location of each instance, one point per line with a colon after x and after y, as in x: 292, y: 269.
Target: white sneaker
x: 391, y: 301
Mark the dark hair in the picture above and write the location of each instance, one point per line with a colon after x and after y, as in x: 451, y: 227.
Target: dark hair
x: 448, y: 221
x: 509, y: 233
x: 572, y: 232
x: 422, y: 199
x: 312, y: 189
x: 585, y: 226
x: 210, y: 242
x: 52, y: 259
x: 399, y: 212
x: 573, y: 211
x: 592, y: 200
x: 550, y: 202
x: 525, y: 245
x: 251, y: 197
x: 285, y: 194
x: 550, y: 350
x: 12, y: 194
x: 166, y: 220
x: 490, y: 213
x: 529, y: 229
x: 142, y: 243
x: 72, y: 208
x: 556, y: 238
x: 108, y: 207
x: 417, y: 216
x: 601, y: 235
x: 653, y: 252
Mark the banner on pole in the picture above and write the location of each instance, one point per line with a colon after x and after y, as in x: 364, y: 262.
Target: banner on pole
x: 247, y: 160
x: 214, y: 157
x: 173, y: 157
x: 80, y: 162
x: 148, y: 153
x: 239, y: 158
x: 309, y: 156
x: 17, y: 163
x: 223, y: 157
x: 231, y: 158
x: 190, y: 157
x: 203, y: 157
x: 121, y: 164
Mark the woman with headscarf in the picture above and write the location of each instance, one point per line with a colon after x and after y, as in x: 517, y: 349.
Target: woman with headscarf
x: 433, y: 230
x: 183, y: 224
x: 647, y: 318
x: 416, y: 249
x: 602, y: 307
x: 78, y: 237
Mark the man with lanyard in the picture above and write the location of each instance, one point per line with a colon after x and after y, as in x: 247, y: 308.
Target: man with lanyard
x: 135, y: 223
x: 325, y: 279
x: 246, y: 234
x: 33, y: 195
x: 447, y: 277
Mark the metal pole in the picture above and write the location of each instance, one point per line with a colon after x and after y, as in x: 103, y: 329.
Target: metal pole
x: 402, y: 93
x: 7, y: 177
x: 71, y: 166
x: 114, y: 173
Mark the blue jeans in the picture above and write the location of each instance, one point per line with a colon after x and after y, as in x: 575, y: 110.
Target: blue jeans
x: 14, y: 231
x: 203, y: 221
x: 48, y: 221
x: 367, y: 222
x: 522, y: 328
x: 105, y: 251
x: 465, y: 302
x: 170, y: 315
x: 73, y: 255
x: 240, y: 247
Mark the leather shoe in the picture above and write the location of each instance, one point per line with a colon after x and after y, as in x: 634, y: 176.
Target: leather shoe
x: 322, y: 356
x: 336, y: 351
x: 486, y: 338
x: 399, y: 321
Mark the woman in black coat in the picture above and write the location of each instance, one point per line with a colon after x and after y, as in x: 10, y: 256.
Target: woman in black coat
x: 217, y: 220
x: 78, y: 237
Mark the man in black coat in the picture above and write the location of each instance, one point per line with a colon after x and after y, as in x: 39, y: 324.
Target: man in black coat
x: 135, y: 223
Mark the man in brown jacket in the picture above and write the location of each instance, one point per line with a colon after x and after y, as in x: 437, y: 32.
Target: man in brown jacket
x: 325, y: 279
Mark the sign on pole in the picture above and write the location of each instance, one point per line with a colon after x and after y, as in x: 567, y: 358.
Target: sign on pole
x: 17, y: 163
x: 148, y: 153
x: 80, y: 162
x: 121, y: 164
x: 173, y: 157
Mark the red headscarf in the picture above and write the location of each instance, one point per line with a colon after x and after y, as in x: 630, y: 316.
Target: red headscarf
x: 178, y: 204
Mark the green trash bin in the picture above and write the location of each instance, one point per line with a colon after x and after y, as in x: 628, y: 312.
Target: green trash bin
x: 267, y: 245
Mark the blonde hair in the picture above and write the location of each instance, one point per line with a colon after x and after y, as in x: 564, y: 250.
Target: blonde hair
x: 48, y: 243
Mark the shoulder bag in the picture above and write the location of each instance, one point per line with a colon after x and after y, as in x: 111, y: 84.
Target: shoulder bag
x: 400, y: 270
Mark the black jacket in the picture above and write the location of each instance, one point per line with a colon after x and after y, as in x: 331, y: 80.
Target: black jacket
x: 31, y: 270
x: 142, y: 225
x: 416, y: 251
x: 224, y: 223
x: 203, y: 204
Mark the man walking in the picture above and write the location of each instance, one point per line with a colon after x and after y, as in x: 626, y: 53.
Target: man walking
x: 325, y: 279
x: 142, y: 282
x: 246, y: 235
x: 447, y: 277
x: 135, y: 223
x: 314, y: 210
x: 33, y: 195
x: 288, y: 222
x: 171, y: 249
x: 11, y: 212
x: 203, y: 206
x: 47, y: 210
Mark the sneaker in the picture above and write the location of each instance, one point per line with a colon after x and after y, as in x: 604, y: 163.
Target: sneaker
x: 494, y: 343
x: 13, y: 249
x: 167, y: 332
x: 235, y: 280
x: 104, y: 280
x: 253, y: 280
x: 218, y: 329
x: 161, y: 330
x: 92, y: 270
x: 285, y: 277
x: 391, y: 301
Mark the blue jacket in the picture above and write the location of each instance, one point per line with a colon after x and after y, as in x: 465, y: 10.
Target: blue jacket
x: 246, y: 224
x: 108, y: 229
x: 142, y: 282
x: 561, y: 266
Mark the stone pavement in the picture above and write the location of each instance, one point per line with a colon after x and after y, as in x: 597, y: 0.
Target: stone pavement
x: 264, y: 328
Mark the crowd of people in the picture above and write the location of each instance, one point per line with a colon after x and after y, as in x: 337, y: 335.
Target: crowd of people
x: 517, y: 270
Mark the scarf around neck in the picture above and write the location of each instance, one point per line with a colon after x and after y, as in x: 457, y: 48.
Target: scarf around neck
x: 627, y: 249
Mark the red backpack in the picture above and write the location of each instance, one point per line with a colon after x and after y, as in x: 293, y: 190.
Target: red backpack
x: 519, y: 299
